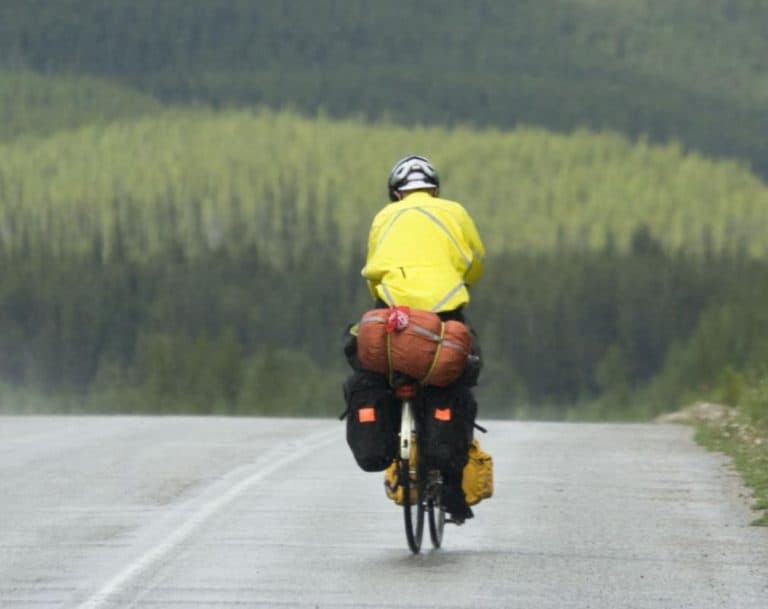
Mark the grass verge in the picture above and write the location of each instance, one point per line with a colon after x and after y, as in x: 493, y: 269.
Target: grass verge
x: 738, y: 436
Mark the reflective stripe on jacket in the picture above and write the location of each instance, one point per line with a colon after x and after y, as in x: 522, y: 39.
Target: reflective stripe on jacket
x: 423, y: 252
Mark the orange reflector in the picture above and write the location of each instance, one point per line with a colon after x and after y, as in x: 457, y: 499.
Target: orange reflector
x: 366, y: 415
x: 443, y: 414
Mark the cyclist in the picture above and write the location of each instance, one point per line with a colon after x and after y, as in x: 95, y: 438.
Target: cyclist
x: 424, y: 252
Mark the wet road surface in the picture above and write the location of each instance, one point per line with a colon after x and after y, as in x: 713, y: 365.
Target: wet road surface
x: 103, y: 512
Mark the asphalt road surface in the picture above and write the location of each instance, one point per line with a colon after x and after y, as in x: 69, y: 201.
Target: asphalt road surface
x: 215, y: 512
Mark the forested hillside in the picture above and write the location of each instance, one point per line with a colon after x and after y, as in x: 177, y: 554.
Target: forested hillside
x: 34, y: 104
x: 688, y: 70
x: 201, y: 181
x: 199, y: 261
x: 186, y: 188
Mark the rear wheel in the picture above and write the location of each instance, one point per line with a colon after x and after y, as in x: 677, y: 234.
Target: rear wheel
x: 436, y: 515
x: 413, y: 507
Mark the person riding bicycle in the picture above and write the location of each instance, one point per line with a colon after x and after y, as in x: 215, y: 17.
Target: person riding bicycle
x: 424, y: 252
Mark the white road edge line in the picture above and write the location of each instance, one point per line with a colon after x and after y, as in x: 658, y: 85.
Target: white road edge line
x: 198, y: 518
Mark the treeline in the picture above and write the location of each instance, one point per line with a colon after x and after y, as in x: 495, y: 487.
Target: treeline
x: 203, y: 182
x: 201, y: 262
x: 625, y: 335
x: 685, y: 70
x: 219, y: 334
x: 35, y: 104
x: 568, y: 334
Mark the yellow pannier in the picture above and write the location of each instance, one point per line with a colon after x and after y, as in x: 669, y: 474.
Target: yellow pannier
x: 477, y: 478
x: 393, y: 489
x: 476, y: 481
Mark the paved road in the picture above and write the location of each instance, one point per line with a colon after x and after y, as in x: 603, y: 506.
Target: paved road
x: 193, y: 512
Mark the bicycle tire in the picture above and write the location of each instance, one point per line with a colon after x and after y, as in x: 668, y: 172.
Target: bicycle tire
x: 414, y: 527
x: 436, y: 519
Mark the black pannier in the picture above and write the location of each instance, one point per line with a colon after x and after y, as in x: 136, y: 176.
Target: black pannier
x: 371, y: 420
x: 449, y: 414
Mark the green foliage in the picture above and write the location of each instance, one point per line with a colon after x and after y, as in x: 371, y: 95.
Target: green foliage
x: 203, y: 262
x: 234, y: 334
x: 33, y: 104
x: 613, y: 376
x: 749, y: 451
x: 199, y: 374
x: 283, y: 382
x: 197, y: 182
x: 569, y: 328
x: 753, y: 398
x: 24, y: 400
x: 742, y: 432
x: 220, y: 335
x: 731, y: 385
x: 730, y: 339
x: 688, y: 70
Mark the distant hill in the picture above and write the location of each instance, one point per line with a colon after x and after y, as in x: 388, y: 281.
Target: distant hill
x: 201, y: 181
x: 688, y: 70
x: 33, y: 104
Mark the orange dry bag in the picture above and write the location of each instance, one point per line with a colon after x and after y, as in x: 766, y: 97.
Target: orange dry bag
x: 413, y: 342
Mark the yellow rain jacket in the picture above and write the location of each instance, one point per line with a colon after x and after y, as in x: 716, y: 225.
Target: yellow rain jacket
x: 423, y: 252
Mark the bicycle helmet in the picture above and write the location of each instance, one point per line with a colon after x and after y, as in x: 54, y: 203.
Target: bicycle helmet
x: 412, y: 172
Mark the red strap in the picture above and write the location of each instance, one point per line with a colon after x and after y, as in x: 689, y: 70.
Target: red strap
x: 398, y: 320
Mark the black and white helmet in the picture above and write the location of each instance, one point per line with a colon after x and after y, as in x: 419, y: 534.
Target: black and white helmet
x: 412, y: 172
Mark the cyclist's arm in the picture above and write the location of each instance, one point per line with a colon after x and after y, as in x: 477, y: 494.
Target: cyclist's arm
x: 373, y: 238
x: 472, y: 238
